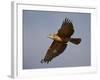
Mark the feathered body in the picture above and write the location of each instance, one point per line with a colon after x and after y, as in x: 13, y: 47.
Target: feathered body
x: 61, y: 40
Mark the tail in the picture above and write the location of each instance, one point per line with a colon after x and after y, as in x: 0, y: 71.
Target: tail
x: 75, y: 40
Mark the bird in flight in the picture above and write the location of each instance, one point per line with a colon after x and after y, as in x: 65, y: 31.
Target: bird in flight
x: 60, y: 41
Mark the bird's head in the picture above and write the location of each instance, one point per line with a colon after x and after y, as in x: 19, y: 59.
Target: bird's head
x: 52, y: 36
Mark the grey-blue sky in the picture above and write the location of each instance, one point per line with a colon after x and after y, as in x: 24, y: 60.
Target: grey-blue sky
x: 36, y: 27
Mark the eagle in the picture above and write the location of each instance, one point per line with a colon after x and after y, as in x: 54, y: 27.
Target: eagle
x: 60, y: 41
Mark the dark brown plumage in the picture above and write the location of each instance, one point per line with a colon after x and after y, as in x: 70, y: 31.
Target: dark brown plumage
x: 60, y: 41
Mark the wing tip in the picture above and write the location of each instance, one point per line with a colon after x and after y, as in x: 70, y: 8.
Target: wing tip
x: 43, y: 61
x: 67, y: 21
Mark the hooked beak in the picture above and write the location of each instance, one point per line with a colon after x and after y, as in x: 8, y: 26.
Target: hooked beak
x: 50, y: 36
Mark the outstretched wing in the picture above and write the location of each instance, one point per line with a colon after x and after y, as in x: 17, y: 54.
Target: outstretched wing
x: 66, y: 29
x: 54, y: 50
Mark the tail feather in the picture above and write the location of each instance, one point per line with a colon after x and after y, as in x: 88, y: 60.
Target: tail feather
x: 75, y: 40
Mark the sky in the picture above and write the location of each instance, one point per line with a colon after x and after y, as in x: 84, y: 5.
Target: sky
x: 37, y: 25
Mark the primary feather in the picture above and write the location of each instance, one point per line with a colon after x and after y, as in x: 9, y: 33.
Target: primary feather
x: 54, y: 50
x: 66, y: 29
